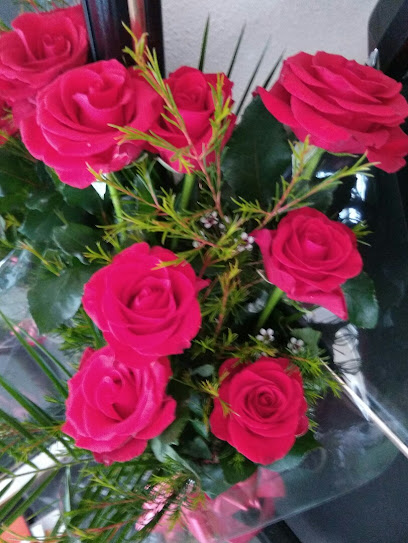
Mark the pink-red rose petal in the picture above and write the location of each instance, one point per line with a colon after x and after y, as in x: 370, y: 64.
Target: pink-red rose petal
x: 309, y: 257
x: 191, y: 90
x: 113, y: 409
x: 266, y: 408
x: 71, y: 128
x: 143, y: 308
x: 343, y: 106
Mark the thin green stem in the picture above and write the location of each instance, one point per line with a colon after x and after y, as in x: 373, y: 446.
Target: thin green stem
x: 114, y: 194
x: 273, y: 299
x: 188, y: 185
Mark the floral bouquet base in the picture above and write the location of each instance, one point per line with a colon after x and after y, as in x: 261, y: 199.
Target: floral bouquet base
x: 181, y: 249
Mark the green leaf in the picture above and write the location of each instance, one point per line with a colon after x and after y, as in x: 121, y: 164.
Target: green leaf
x: 200, y: 428
x: 73, y: 239
x: 361, y: 301
x: 12, y: 202
x: 198, y: 448
x: 55, y: 299
x: 38, y: 414
x: 46, y: 352
x: 88, y: 199
x: 25, y: 434
x: 204, y: 371
x: 303, y: 445
x: 38, y: 226
x: 40, y: 200
x: 47, y: 369
x: 236, y: 467
x: 258, y: 154
x: 161, y: 451
x: 310, y: 337
x: 16, y: 173
x: 213, y: 481
x: 171, y: 434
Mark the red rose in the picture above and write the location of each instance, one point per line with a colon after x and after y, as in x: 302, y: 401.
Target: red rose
x: 70, y: 129
x: 309, y: 256
x: 266, y: 408
x: 345, y: 107
x: 113, y: 409
x: 142, y: 308
x: 7, y: 126
x: 41, y: 46
x: 192, y: 94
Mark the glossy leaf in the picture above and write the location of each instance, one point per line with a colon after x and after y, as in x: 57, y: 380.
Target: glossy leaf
x: 258, y: 154
x: 310, y: 337
x: 361, y: 301
x: 303, y: 445
x: 73, y: 239
x: 38, y: 226
x: 236, y: 467
x: 53, y: 299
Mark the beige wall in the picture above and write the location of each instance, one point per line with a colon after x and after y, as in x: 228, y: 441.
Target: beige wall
x: 337, y: 26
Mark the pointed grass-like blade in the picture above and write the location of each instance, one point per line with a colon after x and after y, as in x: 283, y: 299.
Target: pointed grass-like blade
x: 204, y: 45
x: 9, y: 513
x: 38, y: 415
x: 272, y: 72
x: 235, y: 54
x: 45, y: 367
x: 251, y: 79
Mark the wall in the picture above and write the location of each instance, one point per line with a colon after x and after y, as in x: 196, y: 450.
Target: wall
x: 337, y: 26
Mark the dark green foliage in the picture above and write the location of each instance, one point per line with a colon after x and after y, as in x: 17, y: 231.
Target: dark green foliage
x: 53, y: 299
x: 258, y: 154
x: 361, y: 301
x: 303, y: 445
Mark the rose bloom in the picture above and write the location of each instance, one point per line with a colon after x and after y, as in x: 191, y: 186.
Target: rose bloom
x: 142, y: 308
x: 7, y: 126
x: 344, y: 106
x: 70, y: 129
x: 267, y: 408
x: 113, y: 409
x: 192, y: 94
x: 309, y: 256
x: 41, y: 46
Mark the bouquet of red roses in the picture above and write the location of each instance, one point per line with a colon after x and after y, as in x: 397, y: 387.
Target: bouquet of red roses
x: 180, y: 251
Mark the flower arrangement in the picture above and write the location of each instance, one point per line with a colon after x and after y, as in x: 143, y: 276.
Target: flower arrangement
x: 179, y: 293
